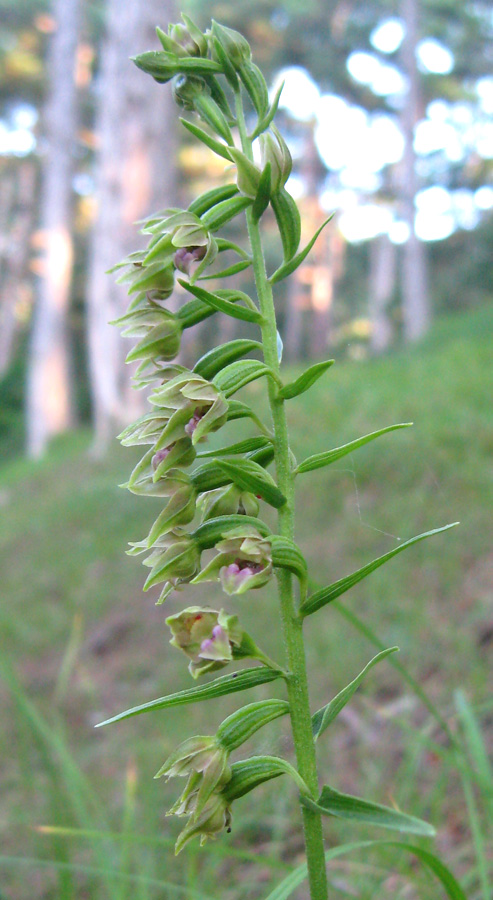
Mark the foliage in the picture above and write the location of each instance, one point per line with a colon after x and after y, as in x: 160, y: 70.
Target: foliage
x: 218, y: 500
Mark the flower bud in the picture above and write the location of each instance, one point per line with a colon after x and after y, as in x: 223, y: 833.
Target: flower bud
x: 226, y: 501
x: 186, y: 88
x: 235, y: 46
x: 205, y: 762
x: 274, y: 149
x: 209, y: 638
x: 174, y: 560
x: 191, y: 46
x: 186, y: 256
x: 201, y: 407
x: 244, y: 562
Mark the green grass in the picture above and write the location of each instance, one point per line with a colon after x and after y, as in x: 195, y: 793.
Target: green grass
x: 84, y: 643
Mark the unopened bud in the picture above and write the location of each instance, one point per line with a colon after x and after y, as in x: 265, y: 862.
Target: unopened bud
x: 186, y: 88
x: 233, y: 43
x: 275, y: 151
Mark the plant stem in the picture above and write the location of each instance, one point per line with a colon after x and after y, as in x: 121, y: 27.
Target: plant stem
x: 297, y: 682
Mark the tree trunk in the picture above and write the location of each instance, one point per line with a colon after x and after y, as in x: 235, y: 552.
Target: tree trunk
x: 135, y: 173
x: 415, y: 299
x: 382, y: 282
x: 49, y: 409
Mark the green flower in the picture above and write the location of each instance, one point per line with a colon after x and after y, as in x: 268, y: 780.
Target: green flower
x: 209, y: 638
x: 225, y: 501
x: 196, y: 404
x: 215, y: 816
x: 244, y: 562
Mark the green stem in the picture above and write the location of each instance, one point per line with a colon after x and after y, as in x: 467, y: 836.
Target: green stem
x: 297, y: 682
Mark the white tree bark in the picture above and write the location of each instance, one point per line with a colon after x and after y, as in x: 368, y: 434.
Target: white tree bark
x: 382, y: 282
x: 136, y: 173
x: 415, y: 298
x: 49, y: 408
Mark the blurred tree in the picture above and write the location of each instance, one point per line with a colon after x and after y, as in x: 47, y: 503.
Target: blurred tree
x: 49, y: 409
x: 135, y: 172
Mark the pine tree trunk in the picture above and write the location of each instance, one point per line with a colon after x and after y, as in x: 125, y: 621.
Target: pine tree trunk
x: 382, y: 282
x: 415, y: 298
x: 136, y: 173
x: 49, y: 408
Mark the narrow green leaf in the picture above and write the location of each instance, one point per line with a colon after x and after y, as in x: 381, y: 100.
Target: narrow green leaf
x: 240, y: 725
x: 221, y: 304
x: 288, y: 221
x: 208, y: 140
x: 193, y: 312
x: 305, y: 381
x: 239, y: 410
x: 323, y: 717
x: 237, y: 449
x: 230, y: 270
x: 240, y: 373
x: 332, y: 591
x: 249, y: 476
x: 292, y: 264
x: 247, y: 774
x: 211, y: 198
x: 345, y: 806
x: 212, y: 362
x: 286, y: 555
x: 256, y: 87
x: 212, y: 531
x: 318, y: 460
x: 267, y: 119
x: 429, y: 860
x: 227, y: 684
x: 227, y: 66
x: 218, y: 216
x: 223, y: 244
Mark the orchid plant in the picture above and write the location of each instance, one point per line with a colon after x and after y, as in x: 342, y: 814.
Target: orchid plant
x: 214, y: 497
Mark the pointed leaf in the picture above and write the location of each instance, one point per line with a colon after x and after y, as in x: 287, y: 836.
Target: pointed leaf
x: 209, y: 533
x: 305, y: 381
x: 240, y: 726
x: 247, y: 774
x: 256, y: 87
x: 239, y: 410
x: 287, y: 555
x: 225, y: 211
x: 288, y: 221
x: 212, y: 362
x: 237, y: 449
x: 230, y: 270
x: 216, y: 146
x: 211, y: 198
x: 345, y: 806
x: 240, y: 373
x: 227, y: 684
x: 249, y: 476
x: 332, y: 591
x: 267, y: 119
x: 323, y: 717
x: 221, y: 304
x: 318, y: 460
x: 292, y: 264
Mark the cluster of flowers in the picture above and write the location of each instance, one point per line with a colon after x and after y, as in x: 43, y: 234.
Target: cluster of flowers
x: 187, y: 407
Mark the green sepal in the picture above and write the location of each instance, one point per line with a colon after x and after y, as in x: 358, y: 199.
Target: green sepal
x: 248, y: 179
x: 256, y: 87
x: 221, y: 304
x: 286, y: 555
x: 223, y: 212
x: 209, y: 533
x: 247, y: 774
x: 207, y: 139
x: 288, y: 221
x: 325, y: 595
x: 234, y: 269
x: 291, y: 265
x: 211, y: 198
x: 250, y: 476
x: 319, y: 460
x: 325, y: 716
x: 305, y: 381
x: 247, y: 446
x: 240, y: 373
x: 224, y: 61
x: 214, y: 360
x: 262, y: 197
x: 226, y: 684
x: 345, y: 806
x: 240, y: 726
x: 264, y: 123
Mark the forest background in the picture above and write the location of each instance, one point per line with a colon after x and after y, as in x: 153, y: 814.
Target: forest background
x: 388, y: 112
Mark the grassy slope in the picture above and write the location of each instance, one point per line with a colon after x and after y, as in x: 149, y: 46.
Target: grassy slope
x: 67, y: 585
